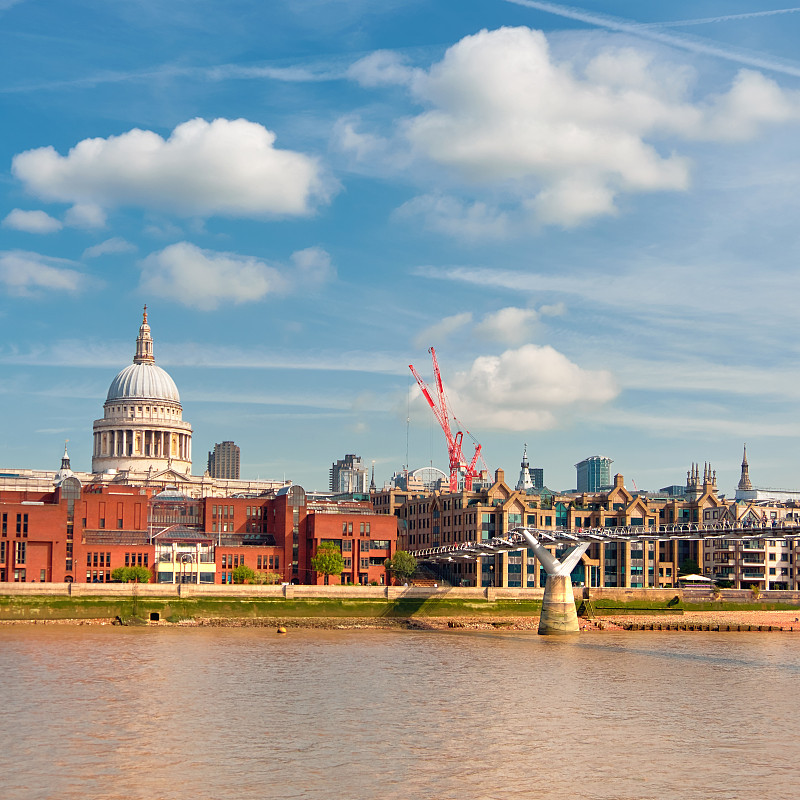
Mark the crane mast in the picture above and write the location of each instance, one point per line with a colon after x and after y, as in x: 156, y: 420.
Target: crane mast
x: 440, y: 410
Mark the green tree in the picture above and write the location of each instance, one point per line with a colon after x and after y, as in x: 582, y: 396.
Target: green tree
x: 328, y: 560
x: 689, y: 567
x: 402, y: 565
x: 243, y: 574
x: 131, y: 574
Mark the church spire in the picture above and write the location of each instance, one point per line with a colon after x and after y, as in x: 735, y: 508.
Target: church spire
x: 744, y: 481
x: 144, y: 343
x: 525, y: 482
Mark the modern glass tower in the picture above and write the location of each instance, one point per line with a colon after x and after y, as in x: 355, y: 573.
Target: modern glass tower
x: 594, y: 473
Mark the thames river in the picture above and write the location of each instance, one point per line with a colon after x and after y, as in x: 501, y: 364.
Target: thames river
x: 234, y: 714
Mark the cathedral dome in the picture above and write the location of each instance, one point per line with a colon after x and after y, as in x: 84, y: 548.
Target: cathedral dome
x: 143, y: 382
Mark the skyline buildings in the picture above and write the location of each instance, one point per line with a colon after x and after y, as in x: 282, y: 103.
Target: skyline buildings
x: 593, y: 474
x: 325, y: 190
x: 224, y: 461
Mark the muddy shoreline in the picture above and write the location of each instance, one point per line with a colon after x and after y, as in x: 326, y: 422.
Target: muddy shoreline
x: 788, y: 621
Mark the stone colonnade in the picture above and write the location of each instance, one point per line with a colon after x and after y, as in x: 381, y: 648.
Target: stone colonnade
x: 144, y: 443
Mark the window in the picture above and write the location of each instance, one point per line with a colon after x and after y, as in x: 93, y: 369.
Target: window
x: 89, y: 560
x: 144, y: 560
x: 102, y: 523
x: 20, y: 549
x: 259, y: 563
x: 127, y: 559
x: 347, y: 545
x: 119, y: 524
x: 94, y: 559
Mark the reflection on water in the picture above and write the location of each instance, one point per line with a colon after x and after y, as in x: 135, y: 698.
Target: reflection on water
x: 243, y: 713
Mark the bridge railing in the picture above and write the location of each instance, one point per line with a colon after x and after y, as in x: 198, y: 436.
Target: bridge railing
x: 618, y: 533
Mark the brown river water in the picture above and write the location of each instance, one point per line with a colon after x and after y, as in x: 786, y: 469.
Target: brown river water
x: 240, y: 713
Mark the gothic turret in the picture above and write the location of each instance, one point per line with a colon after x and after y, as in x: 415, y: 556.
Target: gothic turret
x: 744, y: 481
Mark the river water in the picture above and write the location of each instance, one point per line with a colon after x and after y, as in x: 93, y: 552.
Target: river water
x: 233, y: 714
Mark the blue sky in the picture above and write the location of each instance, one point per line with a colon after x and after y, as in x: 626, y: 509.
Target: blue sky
x: 590, y: 212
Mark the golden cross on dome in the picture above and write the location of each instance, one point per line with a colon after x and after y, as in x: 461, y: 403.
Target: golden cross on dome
x: 145, y: 314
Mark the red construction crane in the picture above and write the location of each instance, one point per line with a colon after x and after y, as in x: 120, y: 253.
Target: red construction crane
x: 442, y: 414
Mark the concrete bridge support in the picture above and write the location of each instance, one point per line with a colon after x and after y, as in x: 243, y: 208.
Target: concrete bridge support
x: 558, y: 604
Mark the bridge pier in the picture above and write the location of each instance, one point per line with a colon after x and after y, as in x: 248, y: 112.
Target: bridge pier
x: 558, y: 615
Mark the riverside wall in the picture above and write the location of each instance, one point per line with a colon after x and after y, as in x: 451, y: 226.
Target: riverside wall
x: 293, y: 592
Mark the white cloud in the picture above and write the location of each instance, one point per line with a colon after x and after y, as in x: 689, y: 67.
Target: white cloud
x: 31, y: 221
x: 26, y: 274
x: 531, y: 388
x: 109, y: 247
x: 313, y: 266
x: 382, y: 68
x: 435, y: 334
x: 564, y: 139
x: 228, y: 167
x: 85, y: 215
x: 204, y: 279
x: 508, y: 325
x: 455, y: 218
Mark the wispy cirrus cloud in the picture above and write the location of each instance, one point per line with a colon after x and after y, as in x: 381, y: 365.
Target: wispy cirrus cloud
x: 27, y: 274
x: 652, y: 32
x: 204, y: 279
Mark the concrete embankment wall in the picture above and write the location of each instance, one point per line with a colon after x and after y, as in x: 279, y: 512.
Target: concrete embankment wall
x: 290, y: 592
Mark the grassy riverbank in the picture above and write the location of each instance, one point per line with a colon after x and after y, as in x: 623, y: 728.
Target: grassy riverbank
x: 228, y: 610
x: 177, y: 609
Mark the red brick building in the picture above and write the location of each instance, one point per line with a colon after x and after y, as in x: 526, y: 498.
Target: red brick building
x: 82, y: 534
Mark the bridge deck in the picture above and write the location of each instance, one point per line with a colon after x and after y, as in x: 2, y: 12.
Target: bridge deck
x: 681, y: 530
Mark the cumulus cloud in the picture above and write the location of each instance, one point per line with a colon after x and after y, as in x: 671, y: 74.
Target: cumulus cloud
x: 442, y: 329
x: 31, y: 221
x: 564, y: 139
x: 204, y: 279
x: 26, y: 274
x: 508, y: 325
x: 531, y: 388
x: 85, y: 215
x: 109, y: 247
x: 227, y: 167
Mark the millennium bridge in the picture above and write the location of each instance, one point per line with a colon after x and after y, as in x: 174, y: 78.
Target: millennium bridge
x: 558, y: 615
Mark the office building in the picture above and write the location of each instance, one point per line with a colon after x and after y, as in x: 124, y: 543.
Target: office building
x: 224, y: 460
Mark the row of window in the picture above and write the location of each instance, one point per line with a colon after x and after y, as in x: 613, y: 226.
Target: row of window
x: 21, y: 527
x: 363, y: 528
x: 98, y: 559
x: 269, y: 562
x: 20, y: 552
